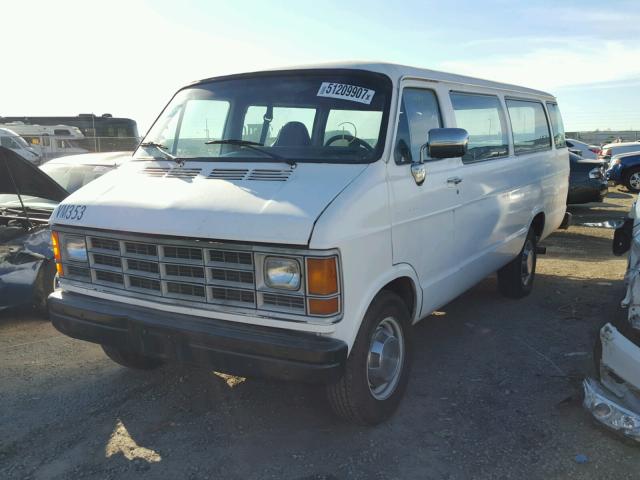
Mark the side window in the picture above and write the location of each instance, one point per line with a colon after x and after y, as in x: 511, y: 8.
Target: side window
x: 254, y: 120
x: 202, y: 121
x: 419, y: 113
x: 482, y: 117
x: 529, y: 126
x: 556, y: 124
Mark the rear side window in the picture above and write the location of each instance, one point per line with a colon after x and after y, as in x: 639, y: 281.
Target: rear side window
x: 529, y: 126
x: 482, y: 117
x: 419, y: 113
x: 557, y: 125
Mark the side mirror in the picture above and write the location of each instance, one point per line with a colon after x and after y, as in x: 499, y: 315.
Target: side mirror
x: 445, y: 143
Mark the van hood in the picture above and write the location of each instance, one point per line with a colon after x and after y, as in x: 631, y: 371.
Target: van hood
x: 248, y: 202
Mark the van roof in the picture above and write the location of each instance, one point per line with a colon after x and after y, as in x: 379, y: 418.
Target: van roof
x: 397, y: 72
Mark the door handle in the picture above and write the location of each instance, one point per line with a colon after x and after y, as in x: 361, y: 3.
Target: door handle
x: 454, y: 181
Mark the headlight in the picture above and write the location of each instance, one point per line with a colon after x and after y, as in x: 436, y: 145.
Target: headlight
x: 74, y: 248
x: 282, y: 273
x: 595, y: 173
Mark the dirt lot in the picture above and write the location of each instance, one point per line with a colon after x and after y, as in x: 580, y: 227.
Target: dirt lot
x: 494, y: 394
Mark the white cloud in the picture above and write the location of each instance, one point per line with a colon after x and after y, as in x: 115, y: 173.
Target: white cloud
x: 559, y: 66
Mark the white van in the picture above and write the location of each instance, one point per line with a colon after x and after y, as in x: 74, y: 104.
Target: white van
x: 297, y: 223
x: 11, y: 140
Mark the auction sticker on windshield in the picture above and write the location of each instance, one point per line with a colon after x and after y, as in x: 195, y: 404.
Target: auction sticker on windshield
x: 346, y: 92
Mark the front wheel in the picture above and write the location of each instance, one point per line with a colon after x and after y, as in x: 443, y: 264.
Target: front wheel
x: 515, y: 279
x: 377, y: 370
x: 632, y: 180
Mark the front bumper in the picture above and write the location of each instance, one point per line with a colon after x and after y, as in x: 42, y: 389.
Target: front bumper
x: 614, y: 401
x: 608, y: 409
x: 221, y: 345
x: 614, y: 174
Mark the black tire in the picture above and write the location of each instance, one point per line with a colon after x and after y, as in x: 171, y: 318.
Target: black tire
x: 130, y: 359
x: 352, y: 397
x: 631, y: 178
x: 513, y: 280
x: 44, y: 286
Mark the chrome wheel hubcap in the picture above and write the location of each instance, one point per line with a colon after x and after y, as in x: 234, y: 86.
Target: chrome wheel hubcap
x: 528, y: 257
x: 634, y: 180
x: 385, y: 359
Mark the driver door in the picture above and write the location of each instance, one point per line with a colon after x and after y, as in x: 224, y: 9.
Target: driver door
x: 423, y: 215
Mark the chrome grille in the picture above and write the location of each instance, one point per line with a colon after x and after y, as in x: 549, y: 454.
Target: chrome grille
x: 108, y: 277
x: 238, y: 258
x: 186, y: 290
x: 144, y: 283
x: 185, y: 271
x: 212, y: 275
x: 143, y: 249
x: 142, y: 266
x: 75, y: 271
x: 106, y: 260
x: 104, y: 244
x: 196, y: 273
x: 233, y: 276
x: 182, y: 253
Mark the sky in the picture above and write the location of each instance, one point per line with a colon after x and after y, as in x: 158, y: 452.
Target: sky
x: 127, y: 58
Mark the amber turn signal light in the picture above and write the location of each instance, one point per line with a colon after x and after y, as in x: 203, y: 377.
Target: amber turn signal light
x: 55, y: 243
x: 322, y: 276
x: 324, y: 306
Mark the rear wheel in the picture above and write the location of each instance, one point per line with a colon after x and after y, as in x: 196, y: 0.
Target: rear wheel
x: 130, y: 359
x: 377, y: 370
x: 515, y: 279
x: 632, y: 180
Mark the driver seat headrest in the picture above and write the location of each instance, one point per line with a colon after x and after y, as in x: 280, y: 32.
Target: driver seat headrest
x: 293, y: 134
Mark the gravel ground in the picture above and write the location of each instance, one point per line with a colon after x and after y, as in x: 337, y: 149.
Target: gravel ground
x: 495, y: 393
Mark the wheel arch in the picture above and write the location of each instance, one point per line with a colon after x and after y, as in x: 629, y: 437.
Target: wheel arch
x: 402, y: 280
x: 537, y: 223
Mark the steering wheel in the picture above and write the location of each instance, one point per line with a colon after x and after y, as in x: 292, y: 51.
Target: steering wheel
x: 351, y: 139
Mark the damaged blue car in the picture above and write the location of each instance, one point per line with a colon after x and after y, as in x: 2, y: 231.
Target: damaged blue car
x: 28, y: 195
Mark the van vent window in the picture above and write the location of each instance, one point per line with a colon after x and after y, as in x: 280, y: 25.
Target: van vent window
x: 529, y: 126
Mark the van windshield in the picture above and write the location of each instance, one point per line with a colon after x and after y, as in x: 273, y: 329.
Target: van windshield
x: 337, y: 116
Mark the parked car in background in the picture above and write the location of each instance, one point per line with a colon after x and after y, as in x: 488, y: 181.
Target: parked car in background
x: 11, y: 140
x: 613, y: 397
x: 610, y: 150
x: 583, y: 149
x: 27, y: 270
x: 50, y: 141
x: 625, y: 170
x: 587, y: 180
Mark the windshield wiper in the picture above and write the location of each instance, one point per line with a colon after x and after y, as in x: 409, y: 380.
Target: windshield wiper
x: 163, y: 150
x: 252, y: 146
